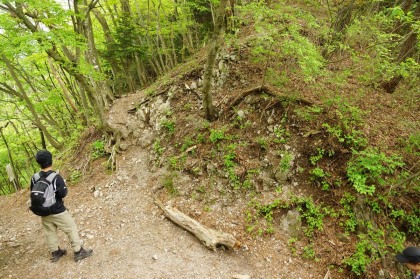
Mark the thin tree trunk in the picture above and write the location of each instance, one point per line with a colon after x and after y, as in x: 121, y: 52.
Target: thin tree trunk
x: 12, y: 163
x: 67, y: 65
x: 165, y: 49
x: 29, y: 104
x: 407, y: 47
x: 103, y: 91
x: 63, y: 87
x: 211, y: 58
x: 141, y: 72
x: 117, y: 72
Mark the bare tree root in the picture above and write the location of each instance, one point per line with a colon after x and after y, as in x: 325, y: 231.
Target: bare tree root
x: 211, y: 238
x: 261, y: 89
x: 405, y: 181
x: 112, y: 147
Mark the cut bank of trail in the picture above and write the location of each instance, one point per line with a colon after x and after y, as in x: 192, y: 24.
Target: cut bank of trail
x: 118, y: 219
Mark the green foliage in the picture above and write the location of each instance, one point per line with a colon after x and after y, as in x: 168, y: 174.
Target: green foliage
x: 309, y: 252
x: 280, y: 134
x: 217, y: 135
x: 98, y: 149
x: 158, y: 148
x: 168, y: 184
x: 75, y: 176
x: 280, y: 40
x: 309, y: 113
x: 318, y: 174
x: 371, y: 246
x: 188, y: 142
x: 169, y: 126
x: 315, y: 158
x: 350, y: 222
x: 177, y: 163
x: 286, y: 161
x: 312, y: 214
x: 247, y: 183
x: 350, y: 119
x: 364, y: 255
x: 262, y: 143
x: 409, y: 220
x: 263, y: 211
x: 291, y: 242
x: 374, y: 43
x: 413, y: 144
x: 229, y: 162
x: 366, y: 168
x: 279, y: 79
x: 396, y: 238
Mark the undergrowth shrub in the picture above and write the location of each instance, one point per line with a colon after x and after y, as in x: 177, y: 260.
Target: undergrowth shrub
x: 363, y: 256
x: 98, y: 149
x: 367, y: 167
x: 281, y: 40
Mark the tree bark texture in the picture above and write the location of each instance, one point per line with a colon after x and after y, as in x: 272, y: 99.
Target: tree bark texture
x: 211, y: 238
x: 211, y: 58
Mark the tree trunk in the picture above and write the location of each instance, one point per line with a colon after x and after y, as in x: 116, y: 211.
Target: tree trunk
x: 23, y: 96
x: 104, y: 93
x: 12, y: 163
x: 117, y: 72
x: 407, y: 47
x: 68, y: 65
x: 211, y: 58
x: 62, y: 86
x: 168, y: 58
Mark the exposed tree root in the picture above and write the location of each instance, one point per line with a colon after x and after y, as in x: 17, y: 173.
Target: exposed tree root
x: 261, y: 89
x: 112, y: 147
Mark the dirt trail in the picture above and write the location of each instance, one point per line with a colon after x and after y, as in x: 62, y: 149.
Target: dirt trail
x: 129, y: 235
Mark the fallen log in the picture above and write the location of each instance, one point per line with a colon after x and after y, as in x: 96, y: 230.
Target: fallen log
x: 328, y: 275
x: 211, y: 238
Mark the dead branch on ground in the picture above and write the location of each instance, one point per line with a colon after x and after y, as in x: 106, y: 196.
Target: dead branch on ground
x: 211, y: 238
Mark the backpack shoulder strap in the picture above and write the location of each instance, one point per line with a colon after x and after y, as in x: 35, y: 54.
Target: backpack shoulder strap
x: 36, y: 177
x: 51, y: 177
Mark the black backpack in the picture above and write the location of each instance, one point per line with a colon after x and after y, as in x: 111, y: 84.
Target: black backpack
x: 43, y: 194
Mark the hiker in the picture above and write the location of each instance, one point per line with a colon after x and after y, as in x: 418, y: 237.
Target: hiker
x: 50, y: 207
x: 410, y: 257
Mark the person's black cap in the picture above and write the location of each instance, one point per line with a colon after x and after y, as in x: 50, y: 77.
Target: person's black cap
x: 44, y: 158
x: 409, y: 255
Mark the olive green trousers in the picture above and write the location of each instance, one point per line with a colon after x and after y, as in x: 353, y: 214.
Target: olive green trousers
x: 65, y: 222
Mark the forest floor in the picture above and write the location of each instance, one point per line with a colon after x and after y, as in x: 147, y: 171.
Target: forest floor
x: 131, y: 238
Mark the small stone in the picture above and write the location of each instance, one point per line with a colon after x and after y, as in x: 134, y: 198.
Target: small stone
x: 90, y: 236
x: 123, y: 146
x: 241, y: 276
x: 241, y: 113
x: 193, y: 85
x: 344, y: 238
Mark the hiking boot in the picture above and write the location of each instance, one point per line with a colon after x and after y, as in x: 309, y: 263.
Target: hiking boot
x: 56, y: 255
x: 82, y: 254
